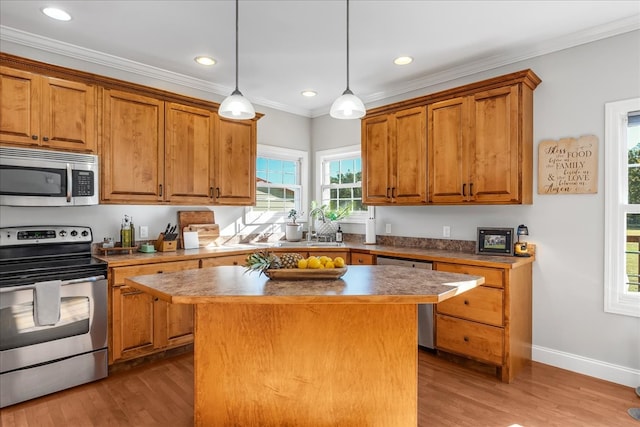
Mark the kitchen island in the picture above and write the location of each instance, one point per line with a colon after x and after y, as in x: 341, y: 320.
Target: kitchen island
x: 309, y: 352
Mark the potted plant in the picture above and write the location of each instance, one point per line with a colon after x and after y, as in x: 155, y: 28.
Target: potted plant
x: 293, y: 230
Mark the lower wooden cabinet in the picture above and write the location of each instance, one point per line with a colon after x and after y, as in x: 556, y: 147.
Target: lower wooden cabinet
x: 362, y: 258
x: 223, y: 260
x: 141, y: 324
x: 491, y: 323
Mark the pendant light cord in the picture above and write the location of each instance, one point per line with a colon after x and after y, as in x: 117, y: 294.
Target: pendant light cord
x: 348, y: 45
x: 236, y: 48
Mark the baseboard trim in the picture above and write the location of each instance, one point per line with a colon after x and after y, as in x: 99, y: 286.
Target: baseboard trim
x: 586, y: 366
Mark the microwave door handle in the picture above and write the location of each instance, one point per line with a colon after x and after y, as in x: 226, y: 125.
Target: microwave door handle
x: 69, y: 182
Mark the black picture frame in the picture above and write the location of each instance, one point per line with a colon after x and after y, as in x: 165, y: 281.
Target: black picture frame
x: 495, y: 241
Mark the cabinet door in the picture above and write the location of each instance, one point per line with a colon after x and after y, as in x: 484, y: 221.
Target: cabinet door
x: 189, y: 154
x: 132, y: 152
x: 376, y: 160
x: 68, y: 115
x: 494, y: 156
x: 20, y: 94
x: 410, y: 186
x: 174, y: 324
x: 235, y: 158
x: 448, y: 141
x: 132, y: 323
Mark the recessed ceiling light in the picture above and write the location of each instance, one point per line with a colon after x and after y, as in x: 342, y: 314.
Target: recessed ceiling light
x: 58, y: 14
x: 205, y: 60
x: 403, y: 60
x: 309, y: 93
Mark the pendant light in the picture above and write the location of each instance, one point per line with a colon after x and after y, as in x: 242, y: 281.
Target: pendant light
x: 348, y: 106
x: 236, y: 106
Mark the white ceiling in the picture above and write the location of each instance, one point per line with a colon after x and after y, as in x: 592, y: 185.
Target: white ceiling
x: 288, y: 46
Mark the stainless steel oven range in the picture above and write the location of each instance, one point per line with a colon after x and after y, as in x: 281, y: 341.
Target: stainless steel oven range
x: 53, y: 311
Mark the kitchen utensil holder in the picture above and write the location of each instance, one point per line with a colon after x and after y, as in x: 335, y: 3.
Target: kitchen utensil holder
x: 165, y: 245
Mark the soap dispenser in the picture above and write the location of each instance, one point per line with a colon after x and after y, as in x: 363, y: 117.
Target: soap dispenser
x: 339, y: 235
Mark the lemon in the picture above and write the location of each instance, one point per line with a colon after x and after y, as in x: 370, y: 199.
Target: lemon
x: 324, y: 259
x: 339, y: 262
x: 302, y: 263
x: 313, y: 262
x: 329, y: 264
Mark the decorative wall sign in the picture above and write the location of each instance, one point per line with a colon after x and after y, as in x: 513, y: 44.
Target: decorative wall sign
x: 568, y: 166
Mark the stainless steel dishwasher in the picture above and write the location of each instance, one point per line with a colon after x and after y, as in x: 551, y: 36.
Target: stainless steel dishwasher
x: 425, y: 311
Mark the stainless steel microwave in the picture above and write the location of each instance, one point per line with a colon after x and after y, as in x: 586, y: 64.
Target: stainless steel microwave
x: 30, y: 177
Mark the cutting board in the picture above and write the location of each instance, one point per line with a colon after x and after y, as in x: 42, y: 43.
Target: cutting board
x: 186, y: 218
x: 207, y: 233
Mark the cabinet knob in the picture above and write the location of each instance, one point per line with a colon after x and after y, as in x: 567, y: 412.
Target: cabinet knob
x: 466, y: 339
x: 360, y: 260
x: 235, y: 262
x: 34, y: 137
x: 466, y: 302
x: 159, y: 272
x: 46, y: 138
x: 156, y: 299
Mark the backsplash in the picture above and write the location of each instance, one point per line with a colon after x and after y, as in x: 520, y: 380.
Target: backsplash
x: 468, y: 246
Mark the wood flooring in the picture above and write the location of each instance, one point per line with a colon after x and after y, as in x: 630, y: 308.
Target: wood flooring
x: 450, y: 394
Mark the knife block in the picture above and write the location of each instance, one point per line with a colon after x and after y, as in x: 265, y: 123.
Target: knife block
x: 165, y: 245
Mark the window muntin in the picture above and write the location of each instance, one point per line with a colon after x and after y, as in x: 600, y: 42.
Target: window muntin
x: 622, y: 207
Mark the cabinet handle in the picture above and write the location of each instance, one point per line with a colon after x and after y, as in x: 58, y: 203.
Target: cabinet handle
x: 34, y: 137
x: 160, y: 190
x: 393, y: 192
x: 471, y: 189
x: 466, y: 339
x: 46, y: 138
x: 217, y: 192
x: 464, y: 186
x: 211, y: 192
x: 388, y: 192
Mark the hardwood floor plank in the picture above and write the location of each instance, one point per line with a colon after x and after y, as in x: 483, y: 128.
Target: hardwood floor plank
x: 449, y: 395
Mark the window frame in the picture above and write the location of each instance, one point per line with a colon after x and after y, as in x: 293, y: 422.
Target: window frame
x: 333, y: 154
x: 252, y: 216
x: 617, y: 299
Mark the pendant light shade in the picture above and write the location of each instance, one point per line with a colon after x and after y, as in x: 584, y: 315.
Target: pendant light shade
x: 236, y: 106
x: 348, y: 106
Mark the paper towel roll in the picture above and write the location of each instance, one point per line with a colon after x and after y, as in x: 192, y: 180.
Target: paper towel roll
x: 370, y: 232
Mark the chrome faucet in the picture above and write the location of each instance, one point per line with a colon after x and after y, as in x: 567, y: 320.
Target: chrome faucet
x: 312, y: 213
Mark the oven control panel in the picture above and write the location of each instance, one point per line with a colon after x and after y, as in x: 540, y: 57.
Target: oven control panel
x: 28, y: 235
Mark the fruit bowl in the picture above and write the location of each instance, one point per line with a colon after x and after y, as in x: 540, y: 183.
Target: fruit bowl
x: 304, y: 273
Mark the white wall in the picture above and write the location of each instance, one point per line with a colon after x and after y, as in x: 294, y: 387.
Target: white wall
x: 570, y: 328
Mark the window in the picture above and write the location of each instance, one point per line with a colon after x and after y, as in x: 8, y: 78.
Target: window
x: 280, y: 174
x: 622, y: 207
x: 340, y: 181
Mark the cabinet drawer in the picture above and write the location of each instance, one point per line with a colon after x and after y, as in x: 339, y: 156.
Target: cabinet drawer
x: 492, y: 276
x: 482, y: 304
x: 120, y: 273
x: 475, y: 340
x: 362, y: 259
x: 223, y: 260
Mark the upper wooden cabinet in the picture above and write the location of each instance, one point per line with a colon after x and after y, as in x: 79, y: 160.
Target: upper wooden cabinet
x: 479, y: 146
x: 394, y: 153
x: 235, y: 160
x: 189, y: 162
x: 476, y: 154
x: 132, y: 152
x: 47, y: 112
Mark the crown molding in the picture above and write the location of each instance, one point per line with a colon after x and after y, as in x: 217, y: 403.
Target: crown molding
x: 44, y: 44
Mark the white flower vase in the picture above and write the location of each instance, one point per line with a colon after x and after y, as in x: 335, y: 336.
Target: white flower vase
x: 293, y: 232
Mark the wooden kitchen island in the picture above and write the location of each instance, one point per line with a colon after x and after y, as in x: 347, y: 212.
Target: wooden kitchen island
x: 306, y: 353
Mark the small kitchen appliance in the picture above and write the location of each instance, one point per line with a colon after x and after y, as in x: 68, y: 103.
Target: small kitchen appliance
x: 522, y: 248
x: 53, y: 311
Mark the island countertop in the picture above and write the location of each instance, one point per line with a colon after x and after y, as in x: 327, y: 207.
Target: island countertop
x: 377, y: 284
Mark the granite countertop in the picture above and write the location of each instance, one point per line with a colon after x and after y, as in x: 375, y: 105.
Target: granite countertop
x: 409, y: 252
x: 360, y: 285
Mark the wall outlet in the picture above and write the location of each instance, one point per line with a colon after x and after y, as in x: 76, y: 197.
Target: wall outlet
x: 446, y: 231
x: 387, y: 228
x: 144, y: 231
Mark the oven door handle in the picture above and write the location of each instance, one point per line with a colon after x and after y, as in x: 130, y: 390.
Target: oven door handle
x: 66, y: 282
